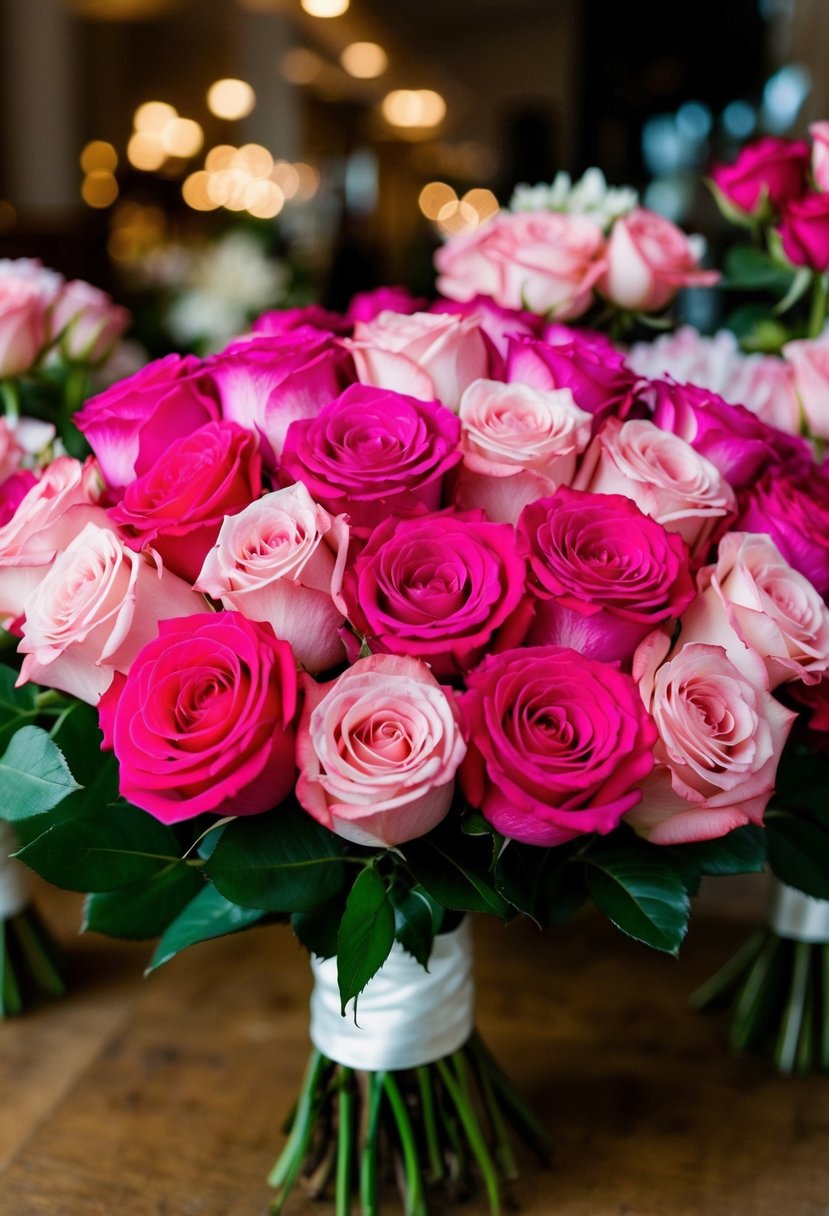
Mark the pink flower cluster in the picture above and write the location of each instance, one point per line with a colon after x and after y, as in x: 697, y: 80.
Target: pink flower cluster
x: 373, y: 559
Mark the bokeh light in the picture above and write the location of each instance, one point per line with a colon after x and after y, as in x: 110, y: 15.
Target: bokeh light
x: 325, y: 8
x: 98, y: 154
x: 413, y: 108
x: 230, y: 98
x: 364, y: 60
x: 99, y: 189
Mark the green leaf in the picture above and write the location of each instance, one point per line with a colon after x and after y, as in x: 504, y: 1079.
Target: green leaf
x: 16, y: 704
x: 564, y: 893
x: 756, y: 330
x: 750, y: 269
x: 207, y: 916
x: 145, y: 908
x: 519, y: 876
x: 452, y: 873
x: 640, y: 894
x: 366, y: 935
x: 78, y: 736
x: 742, y: 851
x: 283, y: 861
x: 34, y: 777
x: 801, y: 283
x: 114, y: 848
x: 416, y: 921
x: 317, y: 930
x: 799, y: 851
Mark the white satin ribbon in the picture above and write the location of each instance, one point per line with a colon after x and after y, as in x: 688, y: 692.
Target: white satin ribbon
x: 797, y: 916
x: 15, y: 879
x: 405, y: 1016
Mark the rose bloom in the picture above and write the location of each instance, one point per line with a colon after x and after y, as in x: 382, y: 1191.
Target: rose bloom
x: 496, y: 322
x: 542, y: 261
x: 752, y: 601
x: 809, y: 360
x: 559, y: 744
x: 87, y: 322
x: 663, y: 475
x: 12, y: 492
x: 819, y: 132
x: 720, y: 739
x: 96, y: 607
x: 22, y: 324
x: 205, y: 721
x: 793, y: 508
x: 648, y: 260
x: 178, y: 505
x: 281, y: 560
x: 284, y: 320
x: 768, y: 169
x: 372, y: 453
x: 804, y: 231
x: 438, y: 587
x: 164, y: 401
x: 378, y: 750
x: 593, y: 370
x: 433, y: 356
x: 11, y: 450
x: 602, y: 574
x: 518, y: 444
x: 366, y: 305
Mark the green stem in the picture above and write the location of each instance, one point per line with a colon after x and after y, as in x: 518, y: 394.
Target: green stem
x: 824, y: 1007
x: 817, y: 314
x: 38, y: 952
x: 427, y: 1105
x: 753, y: 999
x: 11, y: 1003
x: 415, y: 1199
x: 503, y: 1149
x: 518, y: 1112
x: 345, y: 1142
x: 368, y: 1156
x: 457, y: 1088
x: 10, y: 394
x: 75, y: 389
x: 786, y: 1050
x: 721, y: 985
x: 287, y: 1168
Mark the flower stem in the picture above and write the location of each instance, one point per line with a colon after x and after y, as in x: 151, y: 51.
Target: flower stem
x: 10, y: 394
x: 754, y: 998
x: 817, y: 314
x: 11, y: 1002
x: 786, y: 1051
x: 345, y: 1144
x: 723, y: 983
x: 457, y: 1087
x: 415, y: 1202
x: 518, y: 1112
x: 368, y: 1157
x: 427, y: 1106
x: 286, y: 1171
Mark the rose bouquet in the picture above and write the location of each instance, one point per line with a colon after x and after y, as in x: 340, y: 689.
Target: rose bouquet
x: 387, y: 617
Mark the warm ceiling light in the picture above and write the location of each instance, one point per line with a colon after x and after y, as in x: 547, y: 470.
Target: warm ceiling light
x: 99, y: 189
x: 435, y: 196
x: 219, y: 157
x: 254, y: 159
x: 433, y: 107
x: 364, y: 60
x: 309, y: 180
x: 264, y: 200
x: 99, y: 155
x: 146, y: 151
x: 284, y: 175
x: 482, y: 201
x: 457, y: 217
x: 194, y: 192
x: 182, y: 137
x: 230, y: 98
x: 153, y: 116
x: 300, y: 66
x: 325, y: 8
x: 413, y: 108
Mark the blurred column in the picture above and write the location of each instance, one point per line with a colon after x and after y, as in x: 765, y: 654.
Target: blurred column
x: 37, y: 60
x: 800, y: 34
x: 274, y: 122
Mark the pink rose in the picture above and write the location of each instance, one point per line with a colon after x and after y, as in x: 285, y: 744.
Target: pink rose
x: 593, y: 370
x: 96, y: 607
x: 12, y: 492
x: 542, y: 261
x: 768, y: 169
x: 87, y: 322
x: 819, y: 132
x: 809, y: 360
x: 366, y: 305
x: 720, y: 739
x: 438, y: 587
x: 281, y: 321
x: 601, y: 573
x: 178, y: 505
x: 164, y: 401
x: 804, y: 231
x: 648, y: 260
x: 205, y: 719
x: 22, y: 325
x: 281, y: 560
x: 518, y: 444
x: 792, y: 506
x: 663, y: 475
x: 498, y: 323
x: 754, y: 604
x: 11, y: 450
x: 373, y: 453
x: 432, y: 356
x: 378, y: 750
x: 559, y: 745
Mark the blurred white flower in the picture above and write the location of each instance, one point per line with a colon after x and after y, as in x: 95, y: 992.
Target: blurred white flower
x: 590, y: 196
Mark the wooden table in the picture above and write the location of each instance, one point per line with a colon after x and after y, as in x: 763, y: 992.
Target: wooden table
x: 164, y: 1097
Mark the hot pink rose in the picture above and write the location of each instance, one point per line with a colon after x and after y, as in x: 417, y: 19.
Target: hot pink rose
x: 648, y: 260
x: 543, y: 261
x: 753, y: 603
x: 205, y: 719
x: 11, y: 450
x: 378, y: 750
x: 96, y: 607
x: 87, y: 322
x: 178, y: 505
x: 720, y: 739
x: 663, y: 475
x: 22, y: 324
x: 366, y: 305
x: 438, y: 587
x: 373, y: 453
x: 768, y: 169
x: 433, y: 356
x: 809, y: 361
x: 12, y: 492
x: 164, y: 401
x: 498, y: 323
x: 819, y: 132
x: 593, y: 370
x: 518, y: 444
x: 804, y: 231
x: 284, y: 320
x: 601, y: 573
x: 559, y: 745
x: 281, y: 560
x: 793, y: 508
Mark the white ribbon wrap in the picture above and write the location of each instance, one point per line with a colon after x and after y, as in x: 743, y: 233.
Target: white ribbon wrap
x: 797, y: 916
x: 405, y: 1016
x: 15, y: 880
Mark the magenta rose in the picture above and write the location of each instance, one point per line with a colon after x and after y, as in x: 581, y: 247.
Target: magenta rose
x: 372, y: 453
x: 366, y: 305
x: 438, y: 587
x: 13, y: 490
x: 793, y: 508
x: 178, y: 505
x: 804, y: 231
x: 281, y: 321
x: 205, y: 721
x: 595, y: 372
x: 601, y: 573
x: 772, y: 169
x: 559, y: 744
x: 819, y: 132
x: 142, y: 415
x: 648, y: 260
x: 498, y: 323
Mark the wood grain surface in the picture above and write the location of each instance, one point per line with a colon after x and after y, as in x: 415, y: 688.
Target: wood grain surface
x: 165, y: 1096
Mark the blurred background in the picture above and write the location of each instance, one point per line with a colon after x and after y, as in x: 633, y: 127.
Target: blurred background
x: 264, y: 152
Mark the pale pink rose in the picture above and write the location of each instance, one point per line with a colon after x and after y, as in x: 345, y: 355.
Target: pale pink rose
x: 721, y: 735
x: 819, y: 132
x: 22, y: 325
x: 433, y: 356
x: 542, y: 261
x: 809, y: 361
x: 754, y: 603
x: 52, y: 512
x: 519, y: 443
x: 648, y: 260
x: 11, y: 450
x: 663, y: 475
x: 87, y: 322
x: 281, y: 560
x: 378, y: 750
x: 97, y: 606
